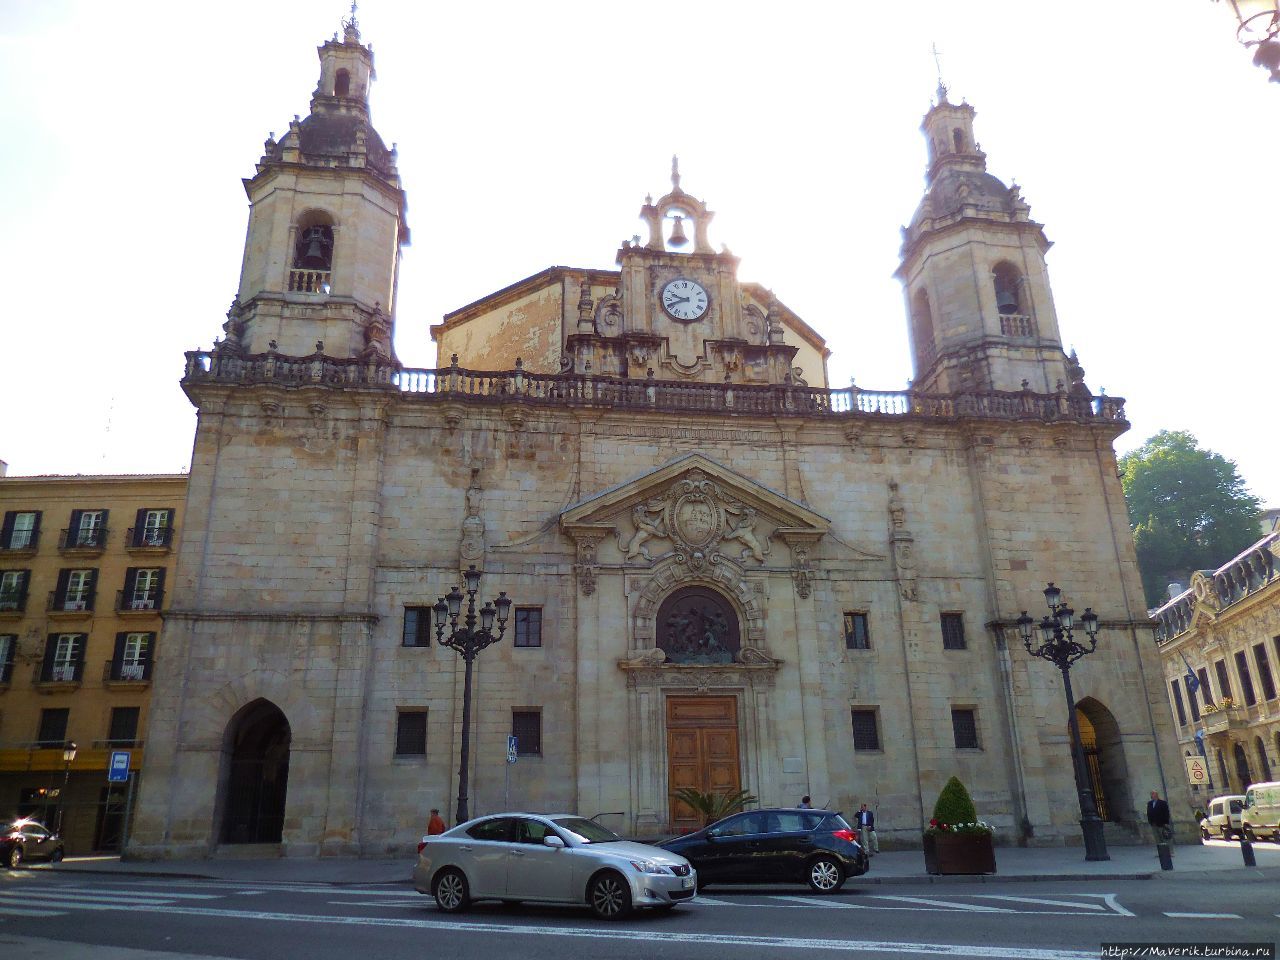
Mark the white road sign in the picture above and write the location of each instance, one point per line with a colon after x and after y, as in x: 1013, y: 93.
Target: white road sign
x: 1197, y: 771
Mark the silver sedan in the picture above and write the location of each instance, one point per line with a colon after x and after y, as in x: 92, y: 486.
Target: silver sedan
x: 549, y: 858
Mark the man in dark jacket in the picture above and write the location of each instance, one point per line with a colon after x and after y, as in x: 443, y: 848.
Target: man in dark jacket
x: 867, y: 824
x: 1158, y: 817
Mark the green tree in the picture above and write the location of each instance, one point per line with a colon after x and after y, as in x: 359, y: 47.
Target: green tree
x: 1188, y: 507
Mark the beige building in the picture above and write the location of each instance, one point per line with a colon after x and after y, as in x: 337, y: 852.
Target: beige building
x: 1220, y: 644
x: 83, y: 567
x: 724, y: 573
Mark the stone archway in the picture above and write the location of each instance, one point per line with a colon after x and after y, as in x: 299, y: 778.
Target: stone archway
x: 256, y: 774
x: 1105, y: 761
x: 1243, y: 772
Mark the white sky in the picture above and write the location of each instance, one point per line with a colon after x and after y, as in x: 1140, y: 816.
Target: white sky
x: 529, y: 133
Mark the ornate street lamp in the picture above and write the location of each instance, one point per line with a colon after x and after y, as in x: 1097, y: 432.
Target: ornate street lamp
x: 1059, y: 647
x: 1259, y: 27
x: 68, y: 758
x: 468, y: 641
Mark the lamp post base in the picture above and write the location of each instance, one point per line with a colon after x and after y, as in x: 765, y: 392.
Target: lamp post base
x: 1095, y: 844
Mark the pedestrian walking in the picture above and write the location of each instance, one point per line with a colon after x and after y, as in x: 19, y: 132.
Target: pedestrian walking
x: 1158, y: 817
x: 867, y: 824
x: 435, y: 826
x: 805, y: 804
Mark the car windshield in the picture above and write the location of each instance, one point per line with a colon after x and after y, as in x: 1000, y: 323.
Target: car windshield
x: 588, y: 831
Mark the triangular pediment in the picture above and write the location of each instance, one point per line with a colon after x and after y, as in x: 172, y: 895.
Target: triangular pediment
x: 692, y: 506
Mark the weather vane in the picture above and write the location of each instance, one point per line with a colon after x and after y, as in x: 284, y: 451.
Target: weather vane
x: 937, y: 62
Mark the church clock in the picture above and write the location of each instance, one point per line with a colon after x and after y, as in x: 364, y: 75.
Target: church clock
x: 685, y: 299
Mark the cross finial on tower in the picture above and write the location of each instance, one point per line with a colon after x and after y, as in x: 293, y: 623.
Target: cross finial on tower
x: 675, y: 173
x: 937, y: 62
x: 352, y: 25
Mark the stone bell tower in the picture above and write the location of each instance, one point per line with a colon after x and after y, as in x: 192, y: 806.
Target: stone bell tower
x: 326, y: 225
x: 974, y: 275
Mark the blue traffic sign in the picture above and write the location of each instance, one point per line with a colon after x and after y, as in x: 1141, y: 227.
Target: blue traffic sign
x: 118, y: 772
x: 511, y: 749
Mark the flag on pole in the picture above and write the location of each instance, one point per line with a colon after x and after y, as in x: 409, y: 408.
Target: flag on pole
x: 1192, y: 681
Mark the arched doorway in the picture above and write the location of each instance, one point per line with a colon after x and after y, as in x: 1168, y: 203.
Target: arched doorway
x: 256, y: 747
x: 1104, y: 760
x: 1242, y: 767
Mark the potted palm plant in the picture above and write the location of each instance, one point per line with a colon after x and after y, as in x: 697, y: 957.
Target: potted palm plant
x: 956, y: 841
x: 711, y: 807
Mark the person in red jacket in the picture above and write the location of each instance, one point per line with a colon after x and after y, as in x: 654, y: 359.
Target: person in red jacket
x: 435, y: 825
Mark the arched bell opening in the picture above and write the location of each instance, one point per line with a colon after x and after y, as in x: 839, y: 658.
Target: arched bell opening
x: 311, y: 263
x: 255, y: 774
x: 1104, y: 760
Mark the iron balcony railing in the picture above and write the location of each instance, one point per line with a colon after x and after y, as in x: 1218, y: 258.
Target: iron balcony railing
x: 95, y: 539
x: 59, y: 672
x: 144, y: 538
x: 21, y: 541
x: 126, y: 670
x: 454, y: 382
x: 62, y: 603
x: 13, y: 601
x: 136, y: 602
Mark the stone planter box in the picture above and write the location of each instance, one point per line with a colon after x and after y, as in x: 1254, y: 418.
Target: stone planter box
x: 959, y: 853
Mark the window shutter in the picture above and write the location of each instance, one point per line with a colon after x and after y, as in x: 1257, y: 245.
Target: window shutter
x: 139, y: 525
x: 159, y: 586
x: 6, y: 532
x: 117, y: 658
x: 104, y: 531
x: 73, y: 528
x: 60, y: 593
x: 150, y: 653
x: 82, y: 642
x: 130, y: 578
x: 50, y: 648
x: 22, y: 590
x: 93, y: 587
x: 35, y: 529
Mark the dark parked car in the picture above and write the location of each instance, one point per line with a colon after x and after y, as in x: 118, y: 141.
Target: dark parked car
x: 780, y: 845
x: 27, y: 840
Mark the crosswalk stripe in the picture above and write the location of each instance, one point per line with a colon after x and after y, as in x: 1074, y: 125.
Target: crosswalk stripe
x: 1203, y: 916
x: 814, y: 902
x: 1041, y: 900
x: 971, y: 907
x: 27, y: 912
x: 712, y: 901
x: 75, y: 899
x: 123, y: 892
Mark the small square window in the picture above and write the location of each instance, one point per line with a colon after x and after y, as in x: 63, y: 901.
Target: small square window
x: 953, y: 631
x: 417, y: 627
x: 866, y: 731
x: 526, y: 727
x: 964, y: 725
x: 857, y: 635
x: 528, y: 626
x: 411, y: 733
x: 53, y: 727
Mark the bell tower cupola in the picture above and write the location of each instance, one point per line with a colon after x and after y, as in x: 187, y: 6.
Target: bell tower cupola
x: 326, y: 225
x: 981, y: 314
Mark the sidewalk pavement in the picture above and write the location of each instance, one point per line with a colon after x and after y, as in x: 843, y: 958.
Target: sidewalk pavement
x: 1216, y: 859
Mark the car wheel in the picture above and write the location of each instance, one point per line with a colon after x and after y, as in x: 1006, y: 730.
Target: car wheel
x: 825, y: 875
x: 609, y: 896
x: 451, y: 892
x: 1205, y: 835
x: 57, y: 856
x: 14, y: 857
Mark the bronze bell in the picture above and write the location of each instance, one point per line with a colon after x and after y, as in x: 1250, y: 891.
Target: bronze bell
x: 315, y: 256
x: 677, y: 239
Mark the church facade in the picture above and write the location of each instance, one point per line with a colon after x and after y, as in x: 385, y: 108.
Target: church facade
x: 724, y: 574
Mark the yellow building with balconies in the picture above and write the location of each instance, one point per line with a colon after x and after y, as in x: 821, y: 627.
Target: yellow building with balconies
x: 83, y: 563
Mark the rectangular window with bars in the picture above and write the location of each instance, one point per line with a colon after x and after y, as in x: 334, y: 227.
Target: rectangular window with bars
x: 526, y: 727
x: 123, y: 731
x: 964, y: 728
x: 417, y: 627
x: 953, y: 631
x: 87, y: 528
x: 64, y: 654
x: 152, y: 529
x: 1264, y: 671
x: 528, y: 627
x: 132, y: 659
x: 21, y: 530
x: 866, y: 730
x: 1246, y: 681
x: 53, y: 727
x: 1176, y: 687
x: 411, y: 733
x: 857, y: 635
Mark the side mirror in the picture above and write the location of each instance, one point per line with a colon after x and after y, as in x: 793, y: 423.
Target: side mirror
x: 713, y: 834
x: 551, y: 840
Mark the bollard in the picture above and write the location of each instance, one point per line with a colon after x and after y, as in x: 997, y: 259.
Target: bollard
x: 1246, y: 851
x: 1166, y: 856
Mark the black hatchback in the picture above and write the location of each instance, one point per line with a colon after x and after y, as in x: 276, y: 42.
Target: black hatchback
x: 786, y: 845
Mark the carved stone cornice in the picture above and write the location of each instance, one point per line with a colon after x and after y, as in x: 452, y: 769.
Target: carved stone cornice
x: 754, y: 670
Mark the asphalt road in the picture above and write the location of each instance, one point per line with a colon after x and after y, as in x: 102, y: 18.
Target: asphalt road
x: 44, y: 916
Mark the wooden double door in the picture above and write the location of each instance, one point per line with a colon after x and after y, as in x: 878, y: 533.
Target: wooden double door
x: 702, y: 752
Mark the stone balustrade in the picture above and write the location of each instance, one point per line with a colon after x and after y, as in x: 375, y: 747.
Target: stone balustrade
x: 649, y: 393
x: 1017, y: 325
x: 309, y: 281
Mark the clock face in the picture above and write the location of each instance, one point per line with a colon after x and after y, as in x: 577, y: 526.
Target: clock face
x: 685, y: 300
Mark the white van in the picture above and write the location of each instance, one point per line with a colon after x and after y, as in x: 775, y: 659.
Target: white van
x: 1223, y: 819
x: 1261, y: 814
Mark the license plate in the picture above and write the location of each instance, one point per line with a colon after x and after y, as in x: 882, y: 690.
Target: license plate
x: 687, y: 883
